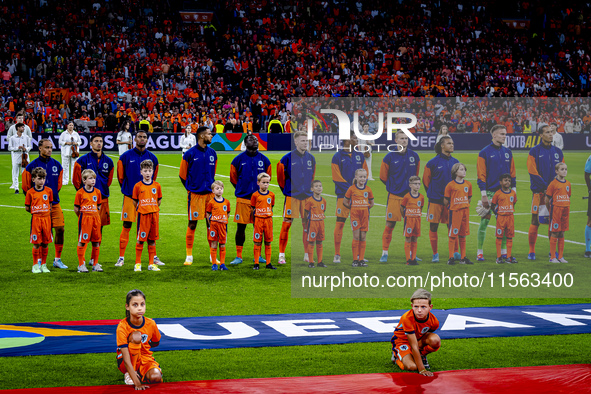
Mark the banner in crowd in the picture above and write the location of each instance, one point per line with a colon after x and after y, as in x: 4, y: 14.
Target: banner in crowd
x: 196, y: 17
x: 57, y: 95
x: 161, y: 142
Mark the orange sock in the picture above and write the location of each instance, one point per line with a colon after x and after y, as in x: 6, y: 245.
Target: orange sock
x: 222, y: 254
x: 81, y: 252
x: 213, y: 252
x: 338, y: 237
x: 44, y: 252
x: 387, y: 238
x: 462, y: 242
x: 407, y: 250
x: 94, y: 255
x: 123, y: 240
x: 239, y: 251
x: 189, y: 240
x: 58, y: 250
x: 433, y: 240
x: 532, y: 237
x: 452, y: 246
x: 428, y: 349
x: 268, y: 253
x: 284, y: 236
x: 151, y: 253
x: 560, y: 247
x: 138, y: 253
x: 134, y: 352
x: 319, y: 252
x: 362, y: 245
x: 499, y: 243
x: 457, y: 246
x: 310, y: 252
x: 355, y: 247
x: 413, y: 250
x: 509, y: 247
x: 36, y: 255
x: 553, y: 242
x: 305, y: 240
x: 257, y: 253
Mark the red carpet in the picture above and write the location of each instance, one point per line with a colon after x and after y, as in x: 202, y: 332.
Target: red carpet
x: 547, y: 379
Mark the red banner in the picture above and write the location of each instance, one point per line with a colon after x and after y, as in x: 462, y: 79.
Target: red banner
x: 196, y: 17
x: 57, y: 94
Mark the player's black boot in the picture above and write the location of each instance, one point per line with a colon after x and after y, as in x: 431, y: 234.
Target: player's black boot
x: 361, y: 263
x: 511, y: 260
x: 311, y: 265
x: 466, y: 260
x: 256, y: 267
x: 355, y: 263
x: 321, y: 265
x: 425, y: 362
x: 451, y: 261
x: 271, y: 267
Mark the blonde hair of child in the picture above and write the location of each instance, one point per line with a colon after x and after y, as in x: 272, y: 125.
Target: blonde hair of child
x: 559, y: 165
x: 88, y: 173
x: 263, y: 175
x: 455, y: 168
x: 357, y: 171
x: 217, y: 183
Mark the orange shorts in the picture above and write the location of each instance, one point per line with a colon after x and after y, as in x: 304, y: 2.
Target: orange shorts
x: 315, y: 231
x: 537, y: 200
x: 144, y: 364
x: 293, y: 208
x: 393, y: 208
x: 459, y: 225
x: 128, y: 213
x: 437, y: 213
x: 105, y: 212
x: 559, y: 217
x: 360, y: 219
x: 41, y: 230
x: 147, y: 226
x: 400, y: 350
x: 217, y: 232
x: 243, y: 211
x: 263, y: 228
x: 57, y: 216
x: 197, y: 203
x: 89, y: 229
x: 342, y: 211
x: 505, y: 226
x: 412, y: 227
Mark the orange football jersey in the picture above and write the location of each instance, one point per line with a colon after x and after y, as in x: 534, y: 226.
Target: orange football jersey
x: 559, y: 192
x: 263, y: 204
x: 147, y: 196
x: 459, y: 194
x: 409, y: 325
x: 88, y: 201
x: 316, y: 208
x: 150, y: 336
x: 359, y: 197
x: 219, y: 210
x: 413, y: 206
x: 39, y: 201
x: 505, y: 202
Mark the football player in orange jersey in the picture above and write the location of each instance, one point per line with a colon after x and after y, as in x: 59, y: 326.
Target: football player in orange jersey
x: 38, y: 203
x: 503, y: 205
x: 137, y: 335
x: 313, y: 221
x: 359, y: 199
x: 216, y: 214
x: 262, y: 202
x: 558, y: 204
x: 414, y: 335
x: 457, y: 196
x: 411, y: 208
x: 87, y: 206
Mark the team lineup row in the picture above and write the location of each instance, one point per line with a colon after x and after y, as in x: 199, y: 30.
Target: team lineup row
x: 295, y: 173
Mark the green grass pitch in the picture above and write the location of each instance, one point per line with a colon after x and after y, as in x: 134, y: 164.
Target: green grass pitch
x: 179, y: 291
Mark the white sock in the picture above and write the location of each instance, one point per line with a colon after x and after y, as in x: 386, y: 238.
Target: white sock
x: 480, y: 251
x: 503, y: 251
x: 384, y: 252
x: 281, y: 254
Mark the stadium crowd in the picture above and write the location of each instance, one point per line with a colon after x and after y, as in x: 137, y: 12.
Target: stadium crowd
x: 95, y: 62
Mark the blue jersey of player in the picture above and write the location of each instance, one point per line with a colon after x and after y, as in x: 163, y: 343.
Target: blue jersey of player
x: 295, y: 173
x: 344, y: 165
x: 103, y: 168
x: 494, y: 161
x: 541, y: 163
x: 437, y: 175
x: 198, y: 169
x: 129, y: 170
x: 397, y: 168
x: 53, y: 179
x: 244, y: 170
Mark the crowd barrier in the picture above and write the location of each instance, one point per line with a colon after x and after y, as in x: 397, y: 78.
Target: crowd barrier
x: 162, y: 142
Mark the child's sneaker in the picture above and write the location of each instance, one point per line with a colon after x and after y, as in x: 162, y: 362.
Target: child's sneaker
x: 97, y: 268
x: 153, y: 267
x: 57, y: 263
x: 531, y: 256
x: 138, y: 267
x: 120, y: 262
x: 466, y: 260
x: 214, y: 267
x: 384, y: 258
x: 36, y: 268
x: 500, y: 260
x: 82, y: 268
x: 310, y: 265
x: 256, y: 266
x: 44, y: 268
x: 425, y: 362
x: 562, y: 260
x: 355, y: 263
x: 457, y: 256
x: 362, y: 263
x: 554, y: 260
x: 188, y: 260
x: 236, y: 261
x: 435, y: 258
x: 91, y: 262
x: 512, y: 260
x: 157, y: 261
x: 480, y: 257
x: 337, y: 259
x: 282, y: 259
x: 451, y: 261
x: 128, y: 379
x: 270, y: 267
x: 223, y: 267
x: 321, y: 265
